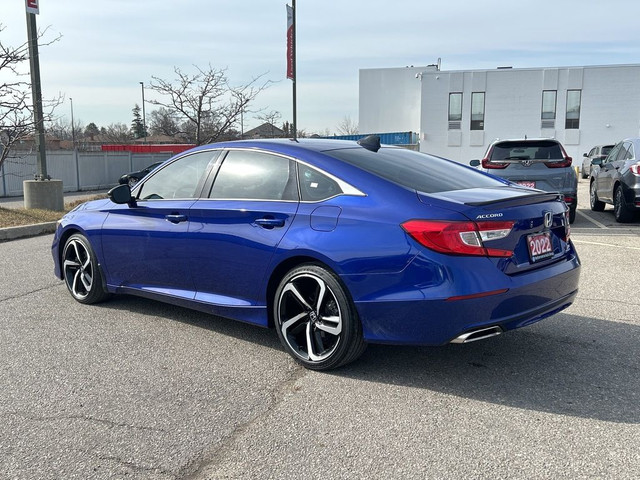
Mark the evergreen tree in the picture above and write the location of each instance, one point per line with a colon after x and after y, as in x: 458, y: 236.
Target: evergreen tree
x: 137, y: 126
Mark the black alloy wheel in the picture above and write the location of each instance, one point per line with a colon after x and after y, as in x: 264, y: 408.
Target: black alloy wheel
x: 622, y: 213
x: 596, y: 205
x: 315, y: 319
x: 81, y: 271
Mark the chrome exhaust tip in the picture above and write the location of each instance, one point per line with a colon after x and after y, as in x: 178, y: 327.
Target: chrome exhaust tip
x: 478, y: 334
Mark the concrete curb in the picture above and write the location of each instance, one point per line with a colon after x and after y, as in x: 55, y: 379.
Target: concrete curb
x: 14, y: 233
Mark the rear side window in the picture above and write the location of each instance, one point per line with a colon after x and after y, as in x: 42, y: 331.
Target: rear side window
x: 414, y: 170
x: 529, y: 150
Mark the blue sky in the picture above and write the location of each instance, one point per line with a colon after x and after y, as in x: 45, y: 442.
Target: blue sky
x: 108, y: 47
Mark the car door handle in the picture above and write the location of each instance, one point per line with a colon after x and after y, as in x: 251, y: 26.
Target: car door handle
x: 176, y: 218
x: 270, y: 222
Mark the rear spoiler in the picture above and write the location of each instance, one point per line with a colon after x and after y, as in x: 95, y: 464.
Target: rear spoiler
x: 518, y: 201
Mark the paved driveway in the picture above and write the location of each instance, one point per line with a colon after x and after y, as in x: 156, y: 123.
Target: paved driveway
x: 137, y: 389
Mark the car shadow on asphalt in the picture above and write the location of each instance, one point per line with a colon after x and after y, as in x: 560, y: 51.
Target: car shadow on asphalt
x: 567, y: 364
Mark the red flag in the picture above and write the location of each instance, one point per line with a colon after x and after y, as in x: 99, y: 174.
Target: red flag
x: 290, y: 41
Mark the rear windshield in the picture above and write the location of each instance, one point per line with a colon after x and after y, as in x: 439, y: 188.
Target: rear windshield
x: 414, y: 170
x: 526, y: 150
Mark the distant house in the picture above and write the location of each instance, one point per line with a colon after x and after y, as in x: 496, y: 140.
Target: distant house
x: 266, y: 130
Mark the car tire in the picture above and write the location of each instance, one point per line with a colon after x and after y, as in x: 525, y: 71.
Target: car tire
x: 596, y: 205
x: 620, y: 210
x: 572, y: 213
x: 584, y: 174
x: 316, y: 320
x: 81, y: 271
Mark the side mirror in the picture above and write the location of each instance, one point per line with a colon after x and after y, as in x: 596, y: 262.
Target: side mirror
x: 474, y: 163
x: 596, y: 161
x: 585, y: 154
x: 121, y: 195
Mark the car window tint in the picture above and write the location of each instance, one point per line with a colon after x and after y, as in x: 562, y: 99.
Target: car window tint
x: 252, y: 175
x: 529, y: 150
x: 415, y: 170
x: 630, y: 153
x: 315, y: 185
x: 622, y: 153
x: 179, y: 179
x: 613, y: 153
x: 606, y: 149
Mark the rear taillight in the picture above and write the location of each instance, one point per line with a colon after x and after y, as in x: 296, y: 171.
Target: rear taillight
x: 561, y: 164
x: 635, y: 169
x: 486, y: 163
x: 568, y: 199
x: 459, y: 238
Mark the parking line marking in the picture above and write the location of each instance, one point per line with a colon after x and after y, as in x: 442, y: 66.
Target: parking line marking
x: 604, y: 244
x: 595, y: 222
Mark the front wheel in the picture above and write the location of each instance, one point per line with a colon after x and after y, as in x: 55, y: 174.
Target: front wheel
x: 315, y: 319
x: 596, y: 205
x: 620, y: 210
x: 81, y: 271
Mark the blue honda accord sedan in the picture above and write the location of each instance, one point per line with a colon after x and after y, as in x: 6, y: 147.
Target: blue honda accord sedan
x: 335, y: 244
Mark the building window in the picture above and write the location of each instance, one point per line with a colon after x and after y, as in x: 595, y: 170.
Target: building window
x: 455, y: 110
x: 573, y: 109
x: 548, y: 116
x: 477, y: 111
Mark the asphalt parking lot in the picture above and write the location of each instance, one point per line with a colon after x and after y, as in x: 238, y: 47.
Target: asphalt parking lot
x: 137, y: 389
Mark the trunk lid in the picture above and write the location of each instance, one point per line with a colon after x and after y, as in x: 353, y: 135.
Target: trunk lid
x: 540, y: 231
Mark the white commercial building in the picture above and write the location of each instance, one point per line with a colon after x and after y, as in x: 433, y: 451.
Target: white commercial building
x: 459, y: 113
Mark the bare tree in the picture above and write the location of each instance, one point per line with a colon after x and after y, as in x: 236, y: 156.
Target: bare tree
x: 16, y: 108
x: 117, y: 133
x: 205, y: 101
x: 163, y: 122
x: 271, y: 118
x: 347, y: 126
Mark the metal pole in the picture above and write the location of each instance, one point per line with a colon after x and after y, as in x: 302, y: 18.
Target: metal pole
x: 36, y: 93
x: 293, y: 48
x: 73, y: 127
x: 144, y: 117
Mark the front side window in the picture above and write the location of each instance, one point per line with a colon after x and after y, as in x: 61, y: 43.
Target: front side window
x: 180, y: 179
x: 477, y: 111
x: 573, y: 109
x: 253, y: 175
x: 455, y: 110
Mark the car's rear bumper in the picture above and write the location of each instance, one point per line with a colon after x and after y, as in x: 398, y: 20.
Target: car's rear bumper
x: 516, y: 301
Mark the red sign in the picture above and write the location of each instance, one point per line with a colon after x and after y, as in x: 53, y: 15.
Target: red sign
x: 290, y: 43
x: 32, y: 6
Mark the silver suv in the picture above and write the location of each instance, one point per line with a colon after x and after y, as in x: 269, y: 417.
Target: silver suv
x: 540, y: 163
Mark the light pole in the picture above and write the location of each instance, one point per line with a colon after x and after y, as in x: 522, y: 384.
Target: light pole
x: 73, y: 127
x: 144, y: 118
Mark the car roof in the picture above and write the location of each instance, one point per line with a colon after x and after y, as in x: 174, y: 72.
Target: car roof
x: 536, y: 139
x: 285, y: 145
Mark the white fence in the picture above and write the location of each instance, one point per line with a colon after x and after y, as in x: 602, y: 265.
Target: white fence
x: 77, y: 170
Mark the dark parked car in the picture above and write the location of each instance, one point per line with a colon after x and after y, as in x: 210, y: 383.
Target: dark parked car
x: 597, y: 152
x: 335, y: 244
x: 616, y: 180
x: 134, y: 177
x: 535, y: 163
